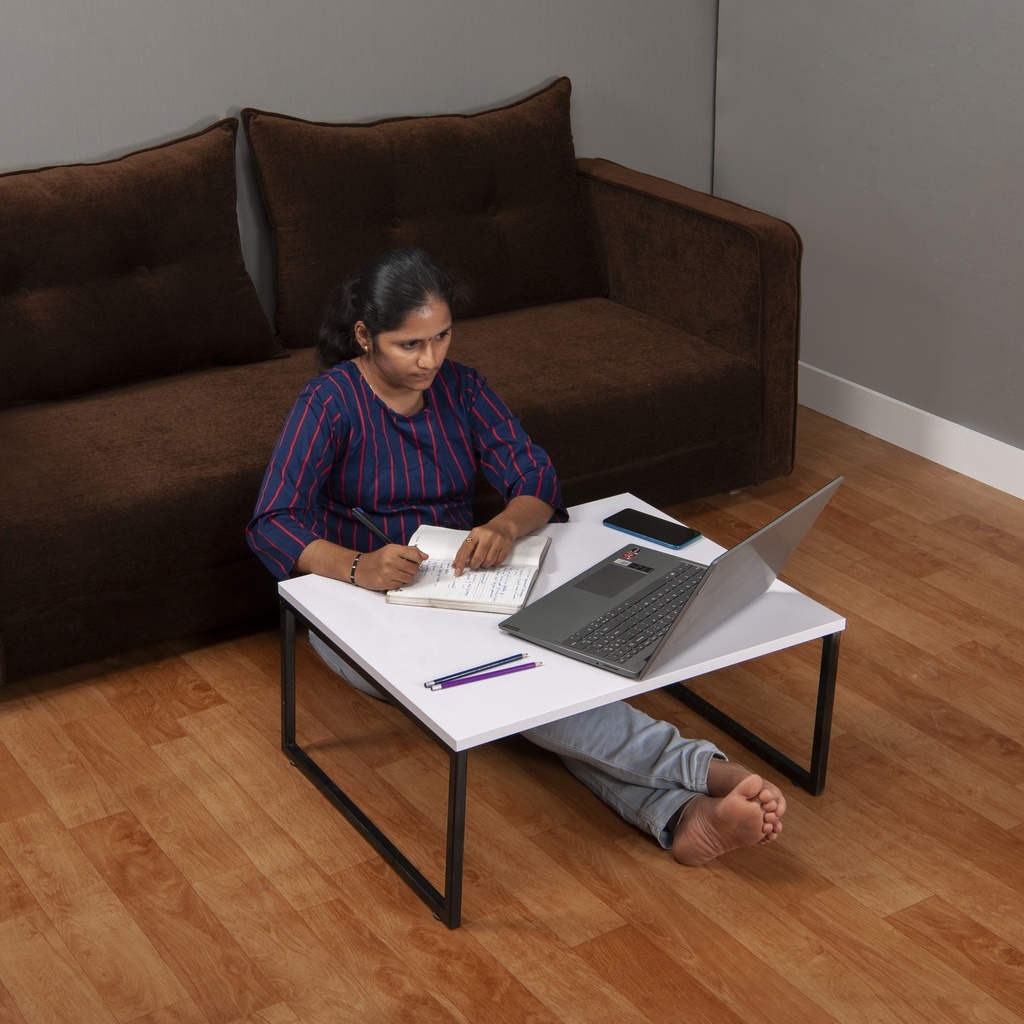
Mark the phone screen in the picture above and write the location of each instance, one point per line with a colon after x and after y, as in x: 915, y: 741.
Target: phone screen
x: 648, y: 527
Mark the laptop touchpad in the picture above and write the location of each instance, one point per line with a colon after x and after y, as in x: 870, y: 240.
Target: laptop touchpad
x: 608, y: 581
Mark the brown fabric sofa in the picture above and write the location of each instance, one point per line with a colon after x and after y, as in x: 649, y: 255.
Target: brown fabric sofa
x: 645, y: 333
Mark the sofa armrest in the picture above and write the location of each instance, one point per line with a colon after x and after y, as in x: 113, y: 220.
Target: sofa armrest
x: 714, y: 269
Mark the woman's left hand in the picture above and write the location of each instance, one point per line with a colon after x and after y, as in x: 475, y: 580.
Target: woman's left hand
x: 491, y: 544
x: 485, y: 547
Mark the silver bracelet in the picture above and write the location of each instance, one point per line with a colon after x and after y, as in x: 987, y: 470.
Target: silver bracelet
x: 352, y: 571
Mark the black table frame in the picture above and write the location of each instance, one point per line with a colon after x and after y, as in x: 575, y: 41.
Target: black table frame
x: 812, y: 779
x: 447, y: 906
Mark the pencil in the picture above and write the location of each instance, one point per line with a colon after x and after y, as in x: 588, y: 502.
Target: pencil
x: 487, y: 675
x: 476, y: 668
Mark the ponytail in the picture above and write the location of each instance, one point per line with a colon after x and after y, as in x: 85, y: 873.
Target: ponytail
x: 395, y: 284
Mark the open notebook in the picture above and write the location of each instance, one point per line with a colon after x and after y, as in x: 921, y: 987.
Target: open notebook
x: 501, y: 589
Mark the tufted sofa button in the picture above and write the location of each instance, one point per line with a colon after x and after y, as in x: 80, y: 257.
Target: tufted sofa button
x: 142, y: 271
x: 396, y: 222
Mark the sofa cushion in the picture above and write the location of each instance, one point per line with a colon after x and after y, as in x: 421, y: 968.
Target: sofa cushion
x: 124, y: 270
x: 619, y: 399
x: 493, y: 196
x: 120, y: 491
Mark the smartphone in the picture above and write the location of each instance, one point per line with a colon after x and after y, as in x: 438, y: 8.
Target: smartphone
x: 662, y: 531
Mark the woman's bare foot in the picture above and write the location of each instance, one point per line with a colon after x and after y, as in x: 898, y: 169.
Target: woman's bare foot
x: 724, y: 776
x: 709, y: 826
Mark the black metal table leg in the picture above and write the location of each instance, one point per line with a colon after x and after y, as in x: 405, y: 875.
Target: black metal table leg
x: 447, y: 907
x: 452, y: 911
x: 813, y: 780
x: 287, y: 675
x: 823, y: 713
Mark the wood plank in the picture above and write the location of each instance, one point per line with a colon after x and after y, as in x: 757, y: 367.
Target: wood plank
x: 167, y: 809
x: 68, y: 782
x: 634, y: 965
x: 136, y: 703
x: 950, y: 610
x: 972, y: 951
x: 826, y: 845
x: 176, y: 686
x: 403, y: 992
x: 72, y: 693
x: 16, y: 898
x: 901, y: 796
x: 409, y: 801
x: 527, y: 804
x: 269, y: 847
x: 18, y: 795
x: 285, y: 794
x: 964, y: 542
x: 93, y: 924
x: 927, y: 865
x: 912, y: 610
x: 463, y: 976
x: 540, y: 883
x: 43, y: 978
x: 205, y: 958
x: 991, y: 597
x: 185, y: 1012
x: 953, y: 722
x: 911, y: 981
x: 572, y: 988
x: 9, y: 1013
x: 652, y: 892
x: 241, y: 681
x: 996, y: 705
x: 316, y: 985
x: 930, y: 758
x: 379, y: 732
x: 998, y: 508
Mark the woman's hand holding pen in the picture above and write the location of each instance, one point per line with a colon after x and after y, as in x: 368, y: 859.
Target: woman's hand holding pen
x: 388, y: 567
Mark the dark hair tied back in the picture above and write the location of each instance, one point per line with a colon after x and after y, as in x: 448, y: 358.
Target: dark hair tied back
x: 390, y: 287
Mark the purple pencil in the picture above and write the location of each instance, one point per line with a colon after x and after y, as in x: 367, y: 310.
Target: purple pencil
x: 487, y: 675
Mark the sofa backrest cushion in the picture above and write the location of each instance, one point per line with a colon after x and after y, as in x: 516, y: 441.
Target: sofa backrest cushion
x: 493, y: 196
x: 124, y: 270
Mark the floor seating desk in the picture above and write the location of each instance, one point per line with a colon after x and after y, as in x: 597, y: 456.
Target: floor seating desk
x: 401, y: 647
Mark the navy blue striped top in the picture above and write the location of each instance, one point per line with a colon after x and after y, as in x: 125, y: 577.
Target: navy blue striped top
x: 343, y: 448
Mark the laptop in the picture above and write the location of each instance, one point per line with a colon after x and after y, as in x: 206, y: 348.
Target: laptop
x: 639, y: 606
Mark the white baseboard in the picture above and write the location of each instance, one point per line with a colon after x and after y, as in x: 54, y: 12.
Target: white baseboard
x: 966, y: 451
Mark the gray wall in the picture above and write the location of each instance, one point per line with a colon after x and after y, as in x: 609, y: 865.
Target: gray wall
x: 90, y: 79
x: 892, y: 135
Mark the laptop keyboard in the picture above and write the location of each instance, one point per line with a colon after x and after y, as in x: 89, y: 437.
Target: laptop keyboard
x: 627, y: 629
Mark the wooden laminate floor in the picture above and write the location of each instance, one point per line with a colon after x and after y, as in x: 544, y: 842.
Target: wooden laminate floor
x: 161, y: 861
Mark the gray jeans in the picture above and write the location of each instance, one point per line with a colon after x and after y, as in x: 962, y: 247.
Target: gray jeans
x: 640, y: 766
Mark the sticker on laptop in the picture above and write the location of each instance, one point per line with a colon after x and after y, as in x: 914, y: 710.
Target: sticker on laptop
x: 625, y: 559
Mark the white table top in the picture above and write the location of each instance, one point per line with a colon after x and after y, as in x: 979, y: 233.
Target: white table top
x: 403, y: 647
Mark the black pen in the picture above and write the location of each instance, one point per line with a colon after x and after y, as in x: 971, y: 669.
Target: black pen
x: 359, y: 514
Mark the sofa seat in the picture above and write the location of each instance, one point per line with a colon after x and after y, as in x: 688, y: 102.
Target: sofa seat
x: 124, y: 511
x: 600, y: 386
x: 155, y: 477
